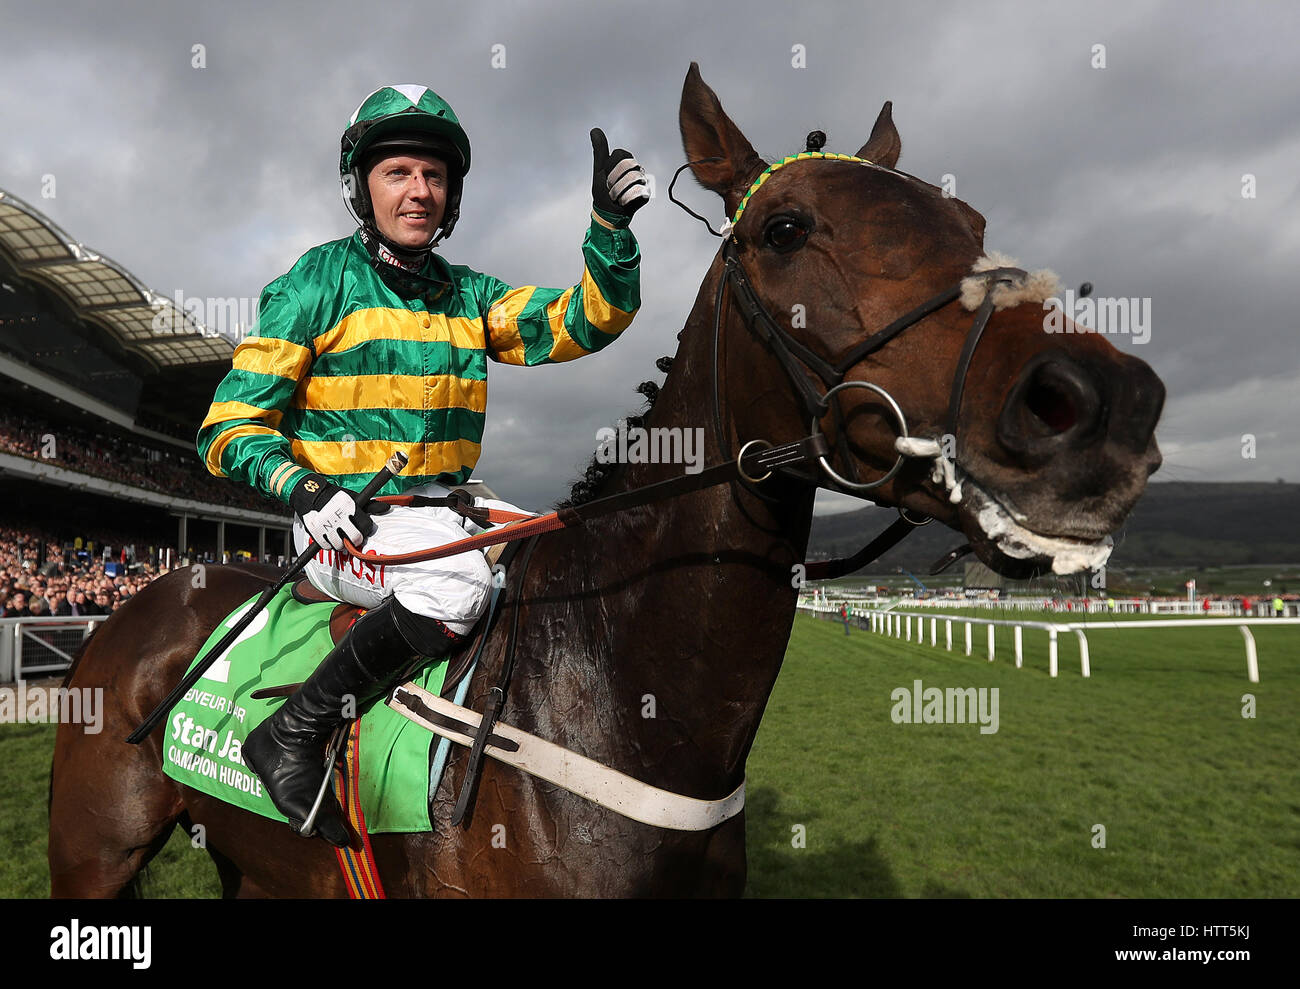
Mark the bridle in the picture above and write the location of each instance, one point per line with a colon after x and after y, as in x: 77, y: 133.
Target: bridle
x: 796, y: 359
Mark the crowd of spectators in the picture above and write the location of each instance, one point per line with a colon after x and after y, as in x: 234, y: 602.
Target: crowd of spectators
x: 123, y: 459
x: 41, y: 574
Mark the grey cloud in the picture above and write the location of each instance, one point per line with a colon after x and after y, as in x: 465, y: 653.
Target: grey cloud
x: 214, y: 181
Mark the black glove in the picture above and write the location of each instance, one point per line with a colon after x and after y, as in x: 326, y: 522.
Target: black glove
x: 618, y: 184
x: 329, y: 513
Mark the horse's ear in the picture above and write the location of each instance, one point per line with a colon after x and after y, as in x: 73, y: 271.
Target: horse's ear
x: 707, y: 132
x: 884, y: 145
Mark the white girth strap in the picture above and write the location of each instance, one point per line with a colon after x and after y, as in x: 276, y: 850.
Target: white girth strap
x: 576, y: 773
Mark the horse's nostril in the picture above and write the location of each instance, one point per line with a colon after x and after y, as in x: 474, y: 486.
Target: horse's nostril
x: 1056, y: 404
x: 1051, y: 405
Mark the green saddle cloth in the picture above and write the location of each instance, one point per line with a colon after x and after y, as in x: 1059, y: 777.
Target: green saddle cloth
x: 284, y: 644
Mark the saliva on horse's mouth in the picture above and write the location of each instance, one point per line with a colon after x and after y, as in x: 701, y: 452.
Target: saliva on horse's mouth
x: 1013, y: 539
x: 999, y: 528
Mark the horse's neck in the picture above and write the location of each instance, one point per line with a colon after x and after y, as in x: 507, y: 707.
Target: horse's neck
x: 687, y: 604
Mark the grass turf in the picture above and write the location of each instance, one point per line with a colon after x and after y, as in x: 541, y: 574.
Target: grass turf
x: 1196, y: 800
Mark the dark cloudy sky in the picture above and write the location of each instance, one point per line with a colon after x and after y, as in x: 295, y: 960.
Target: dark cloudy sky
x: 212, y: 181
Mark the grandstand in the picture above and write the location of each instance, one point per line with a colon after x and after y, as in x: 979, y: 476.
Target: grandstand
x: 103, y: 384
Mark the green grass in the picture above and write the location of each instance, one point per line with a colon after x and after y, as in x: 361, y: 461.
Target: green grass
x: 177, y: 871
x: 25, y: 750
x: 1197, y: 801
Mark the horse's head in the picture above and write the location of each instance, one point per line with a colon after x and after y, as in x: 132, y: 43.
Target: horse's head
x: 1052, y: 434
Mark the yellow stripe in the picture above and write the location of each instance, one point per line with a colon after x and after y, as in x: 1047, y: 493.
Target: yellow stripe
x: 280, y: 475
x: 269, y: 355
x: 597, y: 309
x: 213, y: 459
x: 270, y: 481
x: 503, y: 325
x: 367, y: 456
x: 226, y: 411
x: 400, y: 324
x: 563, y: 346
x: 293, y: 477
x: 602, y: 221
x: 392, y: 391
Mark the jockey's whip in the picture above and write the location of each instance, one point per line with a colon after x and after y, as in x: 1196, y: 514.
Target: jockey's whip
x: 393, y: 467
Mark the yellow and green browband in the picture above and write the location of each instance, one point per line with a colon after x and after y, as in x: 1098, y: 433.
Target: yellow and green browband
x: 801, y: 156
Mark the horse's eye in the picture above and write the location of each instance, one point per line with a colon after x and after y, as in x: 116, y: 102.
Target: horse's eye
x: 785, y: 234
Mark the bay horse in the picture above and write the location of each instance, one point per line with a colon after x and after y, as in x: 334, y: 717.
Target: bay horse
x: 689, y: 600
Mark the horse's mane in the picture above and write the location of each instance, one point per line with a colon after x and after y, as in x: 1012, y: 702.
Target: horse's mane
x: 588, y: 486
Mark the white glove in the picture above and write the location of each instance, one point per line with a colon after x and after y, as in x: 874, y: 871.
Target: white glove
x: 329, y: 514
x: 628, y: 185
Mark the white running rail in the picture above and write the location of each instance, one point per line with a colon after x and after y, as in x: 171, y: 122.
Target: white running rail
x: 900, y: 624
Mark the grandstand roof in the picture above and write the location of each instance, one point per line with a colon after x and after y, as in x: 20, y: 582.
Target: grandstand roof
x: 103, y: 293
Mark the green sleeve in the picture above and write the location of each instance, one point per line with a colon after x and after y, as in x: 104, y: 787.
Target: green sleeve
x: 532, y: 325
x: 240, y: 437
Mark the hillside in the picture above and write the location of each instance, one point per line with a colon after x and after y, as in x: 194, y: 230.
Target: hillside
x: 1178, y: 523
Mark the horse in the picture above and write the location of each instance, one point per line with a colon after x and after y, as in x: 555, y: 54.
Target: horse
x: 690, y: 600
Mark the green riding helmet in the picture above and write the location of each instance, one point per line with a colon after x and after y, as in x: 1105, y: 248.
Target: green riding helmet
x: 396, y: 118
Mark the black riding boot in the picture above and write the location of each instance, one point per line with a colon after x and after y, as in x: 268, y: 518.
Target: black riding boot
x: 287, y: 750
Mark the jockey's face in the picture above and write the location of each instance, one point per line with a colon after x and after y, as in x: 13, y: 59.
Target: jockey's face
x: 409, y: 195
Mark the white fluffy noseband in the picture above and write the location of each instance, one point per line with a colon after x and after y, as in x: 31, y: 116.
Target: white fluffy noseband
x: 1036, y: 286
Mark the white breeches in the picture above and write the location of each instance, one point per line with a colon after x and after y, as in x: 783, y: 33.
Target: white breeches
x: 455, y: 589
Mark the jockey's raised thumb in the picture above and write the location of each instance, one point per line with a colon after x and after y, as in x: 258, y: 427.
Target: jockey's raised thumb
x: 619, y: 186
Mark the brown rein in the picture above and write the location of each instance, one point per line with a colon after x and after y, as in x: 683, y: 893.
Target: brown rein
x: 751, y: 464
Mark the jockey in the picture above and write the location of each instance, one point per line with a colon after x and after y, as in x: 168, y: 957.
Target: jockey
x: 374, y: 343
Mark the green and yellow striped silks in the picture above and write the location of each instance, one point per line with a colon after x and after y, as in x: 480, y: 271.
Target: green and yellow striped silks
x: 342, y: 370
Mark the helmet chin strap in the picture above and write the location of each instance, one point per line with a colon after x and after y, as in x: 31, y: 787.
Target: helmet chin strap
x: 408, y: 258
x: 402, y: 272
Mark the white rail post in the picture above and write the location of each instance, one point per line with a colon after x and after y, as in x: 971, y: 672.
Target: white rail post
x: 990, y: 627
x: 1252, y: 659
x: 1020, y: 654
x: 1051, y: 651
x: 1084, y: 666
x: 968, y: 638
x: 934, y: 631
x: 909, y: 628
x: 947, y: 634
